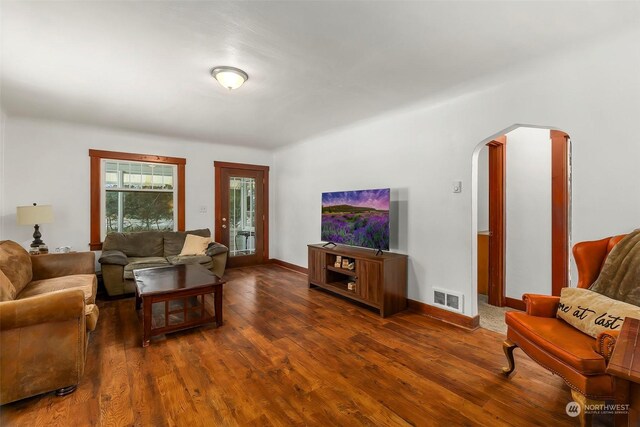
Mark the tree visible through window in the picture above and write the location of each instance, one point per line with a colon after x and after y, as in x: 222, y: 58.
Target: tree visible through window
x: 138, y: 196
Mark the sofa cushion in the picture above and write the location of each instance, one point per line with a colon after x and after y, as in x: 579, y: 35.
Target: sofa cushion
x: 86, y: 282
x: 15, y: 263
x: 139, y: 244
x: 593, y: 313
x: 561, y: 340
x: 195, y: 245
x: 143, y: 262
x: 174, y: 240
x: 7, y: 291
x: 203, y: 260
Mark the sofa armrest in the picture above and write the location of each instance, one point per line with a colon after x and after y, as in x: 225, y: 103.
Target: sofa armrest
x: 541, y: 305
x: 113, y: 257
x: 215, y: 248
x: 58, y: 265
x: 605, y: 343
x: 43, y: 343
x: 46, y: 308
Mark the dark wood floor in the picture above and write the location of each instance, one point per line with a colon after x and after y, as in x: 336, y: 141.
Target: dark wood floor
x: 288, y: 355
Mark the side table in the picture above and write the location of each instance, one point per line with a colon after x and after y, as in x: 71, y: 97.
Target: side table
x: 625, y: 365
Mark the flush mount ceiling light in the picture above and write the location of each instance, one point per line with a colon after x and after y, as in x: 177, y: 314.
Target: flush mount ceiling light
x: 229, y: 77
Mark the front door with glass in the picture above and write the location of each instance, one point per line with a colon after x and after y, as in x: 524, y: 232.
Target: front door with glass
x: 241, y: 212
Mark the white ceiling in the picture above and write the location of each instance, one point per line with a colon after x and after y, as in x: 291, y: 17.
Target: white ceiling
x: 313, y: 66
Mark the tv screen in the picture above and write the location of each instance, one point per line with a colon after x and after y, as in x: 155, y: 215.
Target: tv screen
x: 357, y: 218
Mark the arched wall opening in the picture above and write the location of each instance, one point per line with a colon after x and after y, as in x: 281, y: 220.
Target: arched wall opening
x: 558, y: 208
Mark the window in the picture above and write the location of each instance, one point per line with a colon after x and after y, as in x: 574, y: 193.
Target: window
x: 138, y: 196
x: 135, y: 192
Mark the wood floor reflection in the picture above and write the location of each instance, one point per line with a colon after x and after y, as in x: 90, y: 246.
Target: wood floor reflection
x: 287, y: 355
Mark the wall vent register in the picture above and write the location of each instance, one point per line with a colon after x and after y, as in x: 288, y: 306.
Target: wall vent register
x: 450, y: 300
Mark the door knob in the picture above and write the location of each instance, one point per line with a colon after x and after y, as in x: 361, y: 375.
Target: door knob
x: 224, y: 225
x: 224, y: 219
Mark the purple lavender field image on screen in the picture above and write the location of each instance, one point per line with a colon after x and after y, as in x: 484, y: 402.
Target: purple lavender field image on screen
x: 357, y: 218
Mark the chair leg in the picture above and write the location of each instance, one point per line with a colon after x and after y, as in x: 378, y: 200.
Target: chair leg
x: 508, y: 348
x: 66, y: 390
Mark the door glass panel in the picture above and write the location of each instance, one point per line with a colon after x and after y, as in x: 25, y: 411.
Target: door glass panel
x: 242, y: 216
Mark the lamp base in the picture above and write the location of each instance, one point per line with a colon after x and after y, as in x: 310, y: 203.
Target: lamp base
x: 36, y: 237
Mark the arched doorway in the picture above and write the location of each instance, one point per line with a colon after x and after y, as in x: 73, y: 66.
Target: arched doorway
x: 528, y: 189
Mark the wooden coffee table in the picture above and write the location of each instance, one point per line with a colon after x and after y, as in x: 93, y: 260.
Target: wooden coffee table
x: 173, y: 298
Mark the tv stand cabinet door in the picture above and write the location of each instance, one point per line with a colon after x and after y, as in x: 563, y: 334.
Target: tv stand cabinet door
x: 369, y: 280
x: 317, y: 266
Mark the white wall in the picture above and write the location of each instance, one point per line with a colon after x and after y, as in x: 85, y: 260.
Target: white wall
x: 3, y: 118
x: 528, y: 212
x: 592, y: 94
x: 483, y: 189
x: 48, y: 163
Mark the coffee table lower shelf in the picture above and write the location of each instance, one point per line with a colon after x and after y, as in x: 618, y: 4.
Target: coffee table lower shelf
x: 175, y: 317
x: 174, y: 298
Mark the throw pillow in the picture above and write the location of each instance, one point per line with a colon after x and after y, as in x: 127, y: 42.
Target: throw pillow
x: 195, y: 245
x: 592, y: 313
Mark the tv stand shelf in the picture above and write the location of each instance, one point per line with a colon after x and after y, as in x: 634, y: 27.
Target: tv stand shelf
x: 380, y: 280
x: 342, y: 271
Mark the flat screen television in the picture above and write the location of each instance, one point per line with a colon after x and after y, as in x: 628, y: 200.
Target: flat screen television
x: 357, y: 218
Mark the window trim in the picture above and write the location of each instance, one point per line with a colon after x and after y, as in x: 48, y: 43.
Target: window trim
x: 95, y: 243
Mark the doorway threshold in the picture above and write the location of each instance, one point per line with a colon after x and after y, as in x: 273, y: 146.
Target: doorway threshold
x: 492, y: 317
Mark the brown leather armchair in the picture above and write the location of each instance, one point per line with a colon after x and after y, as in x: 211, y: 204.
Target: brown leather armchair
x: 576, y: 357
x: 47, y: 309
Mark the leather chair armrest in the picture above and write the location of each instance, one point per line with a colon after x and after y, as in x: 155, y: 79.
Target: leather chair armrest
x: 52, y: 307
x: 113, y: 257
x: 215, y: 248
x: 59, y: 265
x: 541, y: 305
x: 605, y: 343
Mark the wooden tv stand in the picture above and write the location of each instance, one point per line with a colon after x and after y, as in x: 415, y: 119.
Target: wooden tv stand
x: 380, y: 281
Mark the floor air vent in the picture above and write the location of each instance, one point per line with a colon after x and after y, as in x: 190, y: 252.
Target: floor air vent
x: 453, y: 301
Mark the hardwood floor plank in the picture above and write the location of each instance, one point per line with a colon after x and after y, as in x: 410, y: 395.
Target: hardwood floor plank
x: 288, y: 355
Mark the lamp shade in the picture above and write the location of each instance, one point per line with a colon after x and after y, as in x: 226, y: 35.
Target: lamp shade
x: 31, y: 215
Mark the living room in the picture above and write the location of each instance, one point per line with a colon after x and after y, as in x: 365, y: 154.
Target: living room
x: 340, y: 96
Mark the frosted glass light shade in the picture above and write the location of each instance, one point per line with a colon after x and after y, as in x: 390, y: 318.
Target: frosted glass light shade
x: 229, y: 77
x: 31, y: 215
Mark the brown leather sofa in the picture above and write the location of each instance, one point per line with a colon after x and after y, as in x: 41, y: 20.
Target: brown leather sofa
x: 576, y: 357
x: 47, y: 309
x: 124, y: 252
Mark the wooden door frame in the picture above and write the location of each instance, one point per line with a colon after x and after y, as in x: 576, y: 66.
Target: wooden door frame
x: 218, y: 166
x: 559, y: 218
x: 497, y: 241
x: 559, y: 211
